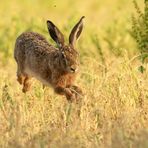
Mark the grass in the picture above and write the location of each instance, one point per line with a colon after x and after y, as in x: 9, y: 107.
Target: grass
x: 114, y: 111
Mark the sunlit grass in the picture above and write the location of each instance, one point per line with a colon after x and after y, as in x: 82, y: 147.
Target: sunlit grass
x: 114, y: 110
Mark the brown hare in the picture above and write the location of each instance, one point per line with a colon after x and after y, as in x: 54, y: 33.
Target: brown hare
x: 56, y: 67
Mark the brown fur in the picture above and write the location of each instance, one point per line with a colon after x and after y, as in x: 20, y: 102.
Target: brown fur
x: 56, y: 67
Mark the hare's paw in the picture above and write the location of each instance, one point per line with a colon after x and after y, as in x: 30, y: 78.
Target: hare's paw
x: 77, y: 91
x: 64, y: 91
x: 74, y: 95
x: 69, y: 94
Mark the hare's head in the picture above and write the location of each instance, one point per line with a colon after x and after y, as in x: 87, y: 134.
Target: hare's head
x: 68, y: 55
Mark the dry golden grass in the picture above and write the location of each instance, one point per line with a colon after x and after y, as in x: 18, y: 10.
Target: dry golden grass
x: 114, y: 111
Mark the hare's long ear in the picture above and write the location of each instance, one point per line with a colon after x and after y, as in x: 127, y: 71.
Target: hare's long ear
x: 55, y: 33
x: 76, y: 31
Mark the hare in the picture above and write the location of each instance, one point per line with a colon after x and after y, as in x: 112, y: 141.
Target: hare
x: 53, y: 66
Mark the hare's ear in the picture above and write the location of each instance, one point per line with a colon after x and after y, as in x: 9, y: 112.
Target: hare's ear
x: 55, y: 33
x: 76, y: 31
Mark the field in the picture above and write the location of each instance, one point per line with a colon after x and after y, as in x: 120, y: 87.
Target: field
x: 114, y: 111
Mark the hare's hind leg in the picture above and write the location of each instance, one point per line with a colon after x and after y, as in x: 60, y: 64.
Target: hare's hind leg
x: 23, y: 78
x: 20, y: 75
x: 26, y: 84
x: 20, y: 79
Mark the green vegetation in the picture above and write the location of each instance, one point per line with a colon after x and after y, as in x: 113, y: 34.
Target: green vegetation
x: 140, y: 31
x: 114, y: 111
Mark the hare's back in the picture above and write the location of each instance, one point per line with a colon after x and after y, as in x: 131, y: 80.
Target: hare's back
x: 31, y: 41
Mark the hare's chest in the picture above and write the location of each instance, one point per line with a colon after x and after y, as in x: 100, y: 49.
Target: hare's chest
x: 64, y: 80
x: 70, y: 79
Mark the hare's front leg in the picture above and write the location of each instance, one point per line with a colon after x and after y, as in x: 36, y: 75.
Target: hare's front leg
x: 76, y: 91
x: 65, y: 91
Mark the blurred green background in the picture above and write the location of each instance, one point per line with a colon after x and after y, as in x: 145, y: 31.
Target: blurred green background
x: 107, y: 22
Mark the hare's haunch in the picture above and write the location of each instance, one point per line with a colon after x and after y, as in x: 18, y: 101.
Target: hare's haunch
x: 56, y: 67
